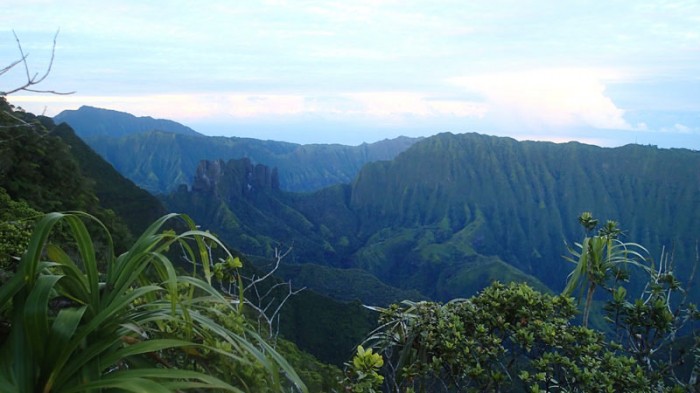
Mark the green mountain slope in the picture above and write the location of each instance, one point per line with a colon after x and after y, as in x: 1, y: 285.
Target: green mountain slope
x: 454, y: 212
x: 238, y: 201
x: 51, y: 169
x: 135, y: 206
x: 345, y: 284
x: 519, y: 200
x: 159, y: 157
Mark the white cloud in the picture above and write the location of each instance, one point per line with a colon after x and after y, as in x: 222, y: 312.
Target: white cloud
x: 381, y: 106
x: 548, y: 98
x: 395, y: 104
x: 678, y: 128
x: 682, y: 128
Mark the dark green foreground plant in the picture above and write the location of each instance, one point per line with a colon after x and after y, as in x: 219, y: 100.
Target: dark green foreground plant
x: 74, y: 328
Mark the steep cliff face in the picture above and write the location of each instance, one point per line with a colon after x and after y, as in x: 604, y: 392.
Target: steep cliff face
x: 234, y: 179
x: 243, y: 203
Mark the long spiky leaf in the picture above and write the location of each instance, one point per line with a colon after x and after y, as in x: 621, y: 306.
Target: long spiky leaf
x: 87, y: 254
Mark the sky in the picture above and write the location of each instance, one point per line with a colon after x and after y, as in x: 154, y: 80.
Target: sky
x: 608, y: 73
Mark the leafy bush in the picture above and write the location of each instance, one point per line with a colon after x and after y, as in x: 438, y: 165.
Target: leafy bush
x: 505, y: 337
x: 15, y: 230
x: 516, y: 338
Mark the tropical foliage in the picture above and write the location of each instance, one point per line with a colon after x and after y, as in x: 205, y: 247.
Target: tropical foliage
x: 37, y: 167
x: 136, y: 326
x: 53, y: 157
x: 601, y: 260
x: 512, y: 337
x: 506, y: 337
x: 15, y: 230
x: 362, y: 373
x: 660, y: 327
x: 650, y: 324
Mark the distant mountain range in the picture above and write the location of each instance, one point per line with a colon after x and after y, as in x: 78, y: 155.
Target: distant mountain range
x: 158, y: 155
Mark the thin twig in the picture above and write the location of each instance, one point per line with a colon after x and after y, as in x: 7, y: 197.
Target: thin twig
x: 35, y: 79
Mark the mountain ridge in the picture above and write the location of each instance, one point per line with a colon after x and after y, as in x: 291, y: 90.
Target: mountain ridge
x: 90, y: 121
x: 159, y: 160
x: 453, y: 208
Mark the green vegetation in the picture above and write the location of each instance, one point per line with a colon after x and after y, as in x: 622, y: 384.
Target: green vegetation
x: 259, y: 219
x: 284, y: 310
x: 600, y: 259
x: 135, y: 326
x: 124, y: 326
x: 38, y: 159
x: 455, y: 212
x: 504, y: 338
x: 363, y: 372
x: 37, y: 168
x: 135, y: 206
x: 324, y: 327
x: 512, y: 337
x: 84, y: 305
x: 517, y: 199
x: 345, y: 284
x: 317, y: 376
x: 15, y: 231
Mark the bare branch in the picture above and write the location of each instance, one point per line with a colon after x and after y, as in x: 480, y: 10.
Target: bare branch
x: 24, y: 57
x: 263, y: 305
x: 32, y: 79
x: 60, y: 93
x: 267, y: 300
x: 267, y: 305
x: 278, y: 258
x: 11, y: 66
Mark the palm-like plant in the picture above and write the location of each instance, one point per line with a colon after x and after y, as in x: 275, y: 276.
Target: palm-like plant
x: 598, y: 256
x: 76, y: 329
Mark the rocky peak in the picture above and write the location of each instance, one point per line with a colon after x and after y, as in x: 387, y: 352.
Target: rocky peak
x: 235, y: 178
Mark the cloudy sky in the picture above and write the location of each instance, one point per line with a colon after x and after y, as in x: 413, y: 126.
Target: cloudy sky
x: 602, y: 72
